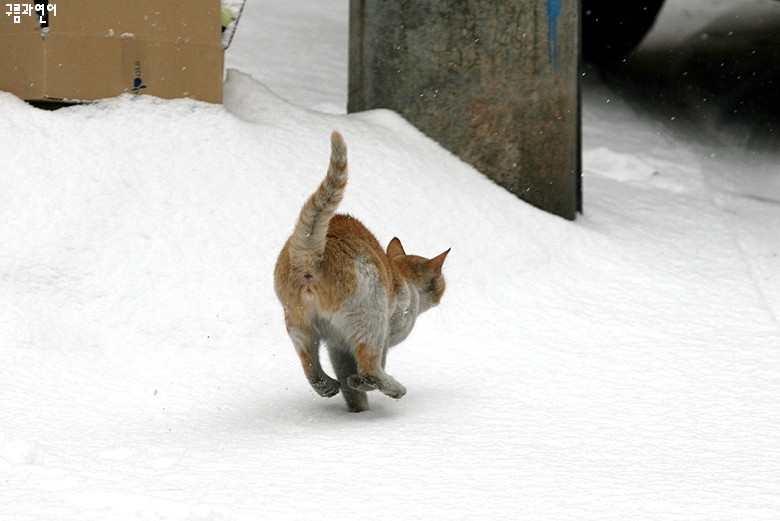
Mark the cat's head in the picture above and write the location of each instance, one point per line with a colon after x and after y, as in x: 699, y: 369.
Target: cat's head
x: 424, y: 274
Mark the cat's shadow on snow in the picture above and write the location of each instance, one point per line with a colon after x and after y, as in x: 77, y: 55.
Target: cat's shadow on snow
x: 333, y: 410
x: 301, y: 411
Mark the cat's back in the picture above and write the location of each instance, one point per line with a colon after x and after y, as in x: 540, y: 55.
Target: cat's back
x: 349, y: 244
x: 348, y: 236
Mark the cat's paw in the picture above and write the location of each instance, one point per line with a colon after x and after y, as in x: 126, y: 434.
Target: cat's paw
x: 356, y: 400
x: 385, y: 383
x: 360, y: 383
x: 391, y: 387
x: 326, y: 386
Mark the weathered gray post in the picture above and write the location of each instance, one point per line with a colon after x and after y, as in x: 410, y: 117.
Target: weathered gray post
x: 493, y: 81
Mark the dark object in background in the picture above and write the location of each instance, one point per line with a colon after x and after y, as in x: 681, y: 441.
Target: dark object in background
x: 612, y: 28
x: 496, y: 83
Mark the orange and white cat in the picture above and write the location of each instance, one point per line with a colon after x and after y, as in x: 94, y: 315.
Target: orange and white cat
x: 338, y: 286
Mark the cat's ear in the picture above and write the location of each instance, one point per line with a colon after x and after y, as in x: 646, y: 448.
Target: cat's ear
x: 394, y: 249
x: 436, y: 262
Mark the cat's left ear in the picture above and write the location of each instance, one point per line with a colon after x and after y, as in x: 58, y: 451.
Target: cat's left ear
x: 395, y: 248
x: 437, y: 262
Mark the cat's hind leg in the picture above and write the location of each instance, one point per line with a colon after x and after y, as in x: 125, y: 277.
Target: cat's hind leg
x: 307, y: 345
x: 363, y: 320
x: 345, y: 366
x: 371, y: 374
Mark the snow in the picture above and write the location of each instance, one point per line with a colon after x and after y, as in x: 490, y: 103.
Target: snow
x: 622, y: 366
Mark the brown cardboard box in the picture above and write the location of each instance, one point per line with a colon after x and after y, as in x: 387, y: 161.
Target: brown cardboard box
x: 94, y: 49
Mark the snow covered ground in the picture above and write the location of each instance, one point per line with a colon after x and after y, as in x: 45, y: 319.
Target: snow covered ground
x: 622, y: 366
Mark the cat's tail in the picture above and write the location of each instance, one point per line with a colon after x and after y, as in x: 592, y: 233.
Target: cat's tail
x: 307, y: 242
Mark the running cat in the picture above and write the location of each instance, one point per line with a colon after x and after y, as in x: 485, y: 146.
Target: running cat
x: 338, y: 286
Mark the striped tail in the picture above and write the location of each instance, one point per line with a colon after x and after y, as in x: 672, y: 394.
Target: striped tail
x: 307, y: 242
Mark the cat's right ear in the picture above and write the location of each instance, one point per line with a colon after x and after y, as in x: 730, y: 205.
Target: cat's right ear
x: 436, y: 262
x: 395, y: 248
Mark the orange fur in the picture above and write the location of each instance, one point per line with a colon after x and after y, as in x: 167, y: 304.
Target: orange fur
x: 365, y: 358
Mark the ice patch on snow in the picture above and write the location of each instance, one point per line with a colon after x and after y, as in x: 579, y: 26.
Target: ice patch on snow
x: 621, y: 167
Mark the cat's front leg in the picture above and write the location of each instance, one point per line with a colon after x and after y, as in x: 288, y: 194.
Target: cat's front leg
x: 307, y: 346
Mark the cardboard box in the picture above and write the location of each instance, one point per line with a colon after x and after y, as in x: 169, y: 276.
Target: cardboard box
x: 78, y: 50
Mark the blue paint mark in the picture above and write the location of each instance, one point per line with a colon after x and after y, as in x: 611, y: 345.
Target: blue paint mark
x: 553, y: 11
x: 138, y: 85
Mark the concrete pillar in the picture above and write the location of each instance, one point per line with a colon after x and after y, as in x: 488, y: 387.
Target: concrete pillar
x: 493, y: 81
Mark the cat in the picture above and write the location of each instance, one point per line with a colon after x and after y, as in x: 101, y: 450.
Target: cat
x: 338, y: 286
